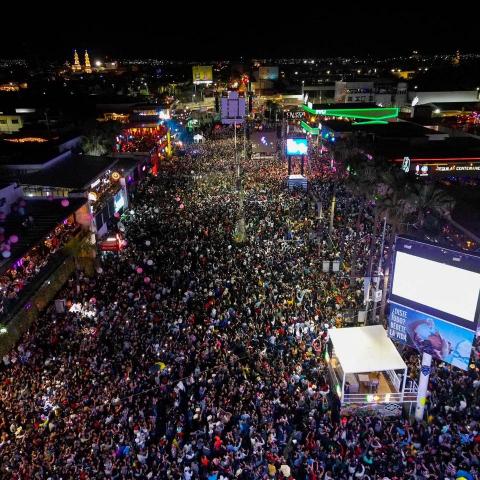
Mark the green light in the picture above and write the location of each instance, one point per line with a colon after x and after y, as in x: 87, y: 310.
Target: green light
x: 378, y: 113
x: 371, y: 122
x: 338, y: 389
x: 308, y: 128
x: 309, y: 110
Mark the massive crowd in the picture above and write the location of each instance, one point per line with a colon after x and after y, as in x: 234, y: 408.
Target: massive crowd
x: 14, y: 278
x: 189, y: 356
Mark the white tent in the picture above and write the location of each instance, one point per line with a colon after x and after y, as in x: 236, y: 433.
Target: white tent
x: 362, y: 350
x: 365, y: 349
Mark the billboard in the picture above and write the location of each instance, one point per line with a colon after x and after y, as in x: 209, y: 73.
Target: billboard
x: 202, y: 74
x: 434, y: 299
x: 268, y: 73
x: 297, y: 146
x: 443, y: 340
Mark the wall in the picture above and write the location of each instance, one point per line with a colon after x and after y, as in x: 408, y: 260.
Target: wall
x: 69, y: 144
x: 441, y: 97
x: 11, y: 193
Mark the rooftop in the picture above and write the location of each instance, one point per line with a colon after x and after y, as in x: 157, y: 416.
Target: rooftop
x: 389, y: 130
x: 452, y: 147
x: 76, y: 172
x: 32, y: 147
x: 365, y: 349
x: 343, y: 106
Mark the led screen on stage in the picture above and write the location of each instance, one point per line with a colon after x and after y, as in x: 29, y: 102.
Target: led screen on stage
x: 297, y: 146
x: 434, y: 300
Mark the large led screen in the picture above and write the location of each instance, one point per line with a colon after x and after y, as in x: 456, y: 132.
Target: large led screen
x: 434, y: 300
x: 297, y: 146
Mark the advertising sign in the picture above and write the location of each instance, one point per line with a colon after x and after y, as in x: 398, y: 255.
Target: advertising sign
x: 202, y: 74
x: 119, y: 201
x: 268, y: 73
x: 443, y: 340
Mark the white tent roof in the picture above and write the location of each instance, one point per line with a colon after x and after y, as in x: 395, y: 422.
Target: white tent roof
x: 365, y: 349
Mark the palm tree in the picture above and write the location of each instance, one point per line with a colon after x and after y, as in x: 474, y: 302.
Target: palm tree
x: 100, y: 139
x: 395, y: 203
x: 429, y: 198
x: 94, y: 144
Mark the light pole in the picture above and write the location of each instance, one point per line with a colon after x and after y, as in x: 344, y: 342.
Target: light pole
x: 379, y: 269
x: 240, y: 233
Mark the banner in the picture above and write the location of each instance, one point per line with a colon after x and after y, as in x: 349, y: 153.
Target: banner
x: 443, y: 340
x: 202, y: 74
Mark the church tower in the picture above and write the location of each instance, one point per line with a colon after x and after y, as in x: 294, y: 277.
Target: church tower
x: 76, y: 67
x: 88, y: 67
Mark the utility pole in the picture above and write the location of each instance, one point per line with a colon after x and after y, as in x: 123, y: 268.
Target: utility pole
x: 332, y: 209
x: 240, y: 233
x: 379, y: 269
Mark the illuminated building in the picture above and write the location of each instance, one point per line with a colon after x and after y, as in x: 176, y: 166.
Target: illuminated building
x: 88, y: 67
x: 356, y: 114
x: 385, y: 93
x: 76, y: 67
x: 10, y: 123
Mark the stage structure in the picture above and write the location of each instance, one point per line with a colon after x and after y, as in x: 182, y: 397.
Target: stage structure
x: 367, y: 372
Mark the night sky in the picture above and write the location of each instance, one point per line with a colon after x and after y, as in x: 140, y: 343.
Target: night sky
x: 233, y: 29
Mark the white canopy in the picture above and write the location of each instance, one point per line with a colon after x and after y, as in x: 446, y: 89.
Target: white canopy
x: 365, y: 349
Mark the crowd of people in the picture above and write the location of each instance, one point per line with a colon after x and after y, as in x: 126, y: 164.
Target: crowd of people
x: 15, y: 276
x: 189, y: 356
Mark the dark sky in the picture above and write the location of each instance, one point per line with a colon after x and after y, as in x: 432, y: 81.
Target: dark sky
x: 181, y: 30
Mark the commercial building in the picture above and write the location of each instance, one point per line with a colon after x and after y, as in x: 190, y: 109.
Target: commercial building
x: 380, y: 92
x: 10, y: 123
x: 82, y: 176
x: 350, y: 113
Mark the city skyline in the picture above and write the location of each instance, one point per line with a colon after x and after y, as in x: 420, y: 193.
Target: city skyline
x: 214, y: 33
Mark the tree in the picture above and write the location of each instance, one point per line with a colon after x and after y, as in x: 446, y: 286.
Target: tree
x: 395, y: 203
x: 427, y: 198
x: 100, y: 139
x: 94, y: 144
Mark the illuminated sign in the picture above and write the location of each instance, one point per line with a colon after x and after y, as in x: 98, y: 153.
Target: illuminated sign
x: 295, y: 115
x: 376, y: 115
x: 118, y: 201
x: 202, y: 74
x: 426, y: 169
x: 406, y: 164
